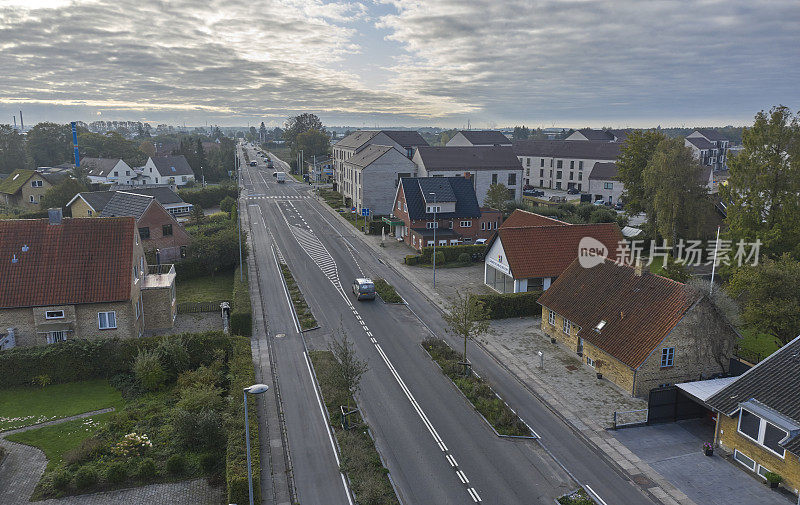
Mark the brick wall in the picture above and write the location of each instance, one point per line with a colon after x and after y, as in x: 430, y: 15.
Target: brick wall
x: 788, y: 467
x: 159, y: 308
x: 22, y: 322
x: 155, y: 218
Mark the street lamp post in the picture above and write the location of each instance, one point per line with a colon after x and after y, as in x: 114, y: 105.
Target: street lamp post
x: 238, y: 165
x: 435, y: 225
x: 255, y: 389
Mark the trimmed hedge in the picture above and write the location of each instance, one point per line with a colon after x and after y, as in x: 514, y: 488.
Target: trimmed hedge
x: 76, y: 360
x: 241, y: 310
x: 452, y: 252
x: 241, y: 375
x: 210, y: 196
x: 501, y: 306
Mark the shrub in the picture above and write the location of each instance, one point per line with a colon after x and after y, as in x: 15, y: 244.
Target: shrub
x: 500, y: 306
x: 62, y: 479
x: 452, y: 252
x: 116, y: 472
x: 227, y: 204
x: 241, y: 318
x: 464, y: 258
x: 85, y: 477
x: 209, y: 462
x: 88, y: 450
x: 204, y: 375
x: 201, y: 397
x: 242, y: 375
x: 175, y: 464
x: 439, y: 257
x: 173, y: 355
x: 42, y: 380
x: 127, y: 384
x: 148, y: 369
x: 210, y: 196
x: 387, y: 291
x: 147, y: 469
x: 773, y: 478
x: 412, y: 259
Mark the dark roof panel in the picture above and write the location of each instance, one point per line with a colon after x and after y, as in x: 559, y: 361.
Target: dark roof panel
x: 406, y: 138
x: 126, y: 204
x: 485, y: 137
x: 700, y: 142
x: 469, y: 158
x: 604, y: 171
x: 461, y: 187
x: 99, y: 167
x: 368, y: 155
x: 171, y: 166
x: 568, y: 149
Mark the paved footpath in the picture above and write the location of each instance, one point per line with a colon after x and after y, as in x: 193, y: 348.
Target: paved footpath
x: 24, y: 465
x: 571, y: 413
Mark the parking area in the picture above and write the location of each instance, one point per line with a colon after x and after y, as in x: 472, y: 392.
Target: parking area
x: 675, y: 451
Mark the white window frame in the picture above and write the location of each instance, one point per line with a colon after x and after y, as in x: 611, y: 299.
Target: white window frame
x: 567, y: 326
x: 431, y: 225
x: 105, y: 315
x: 551, y: 318
x: 61, y: 334
x: 48, y: 316
x: 483, y: 225
x: 465, y: 224
x: 762, y: 467
x: 590, y: 362
x: 36, y: 184
x: 667, y: 357
x: 431, y: 208
x: 737, y: 452
x: 762, y: 429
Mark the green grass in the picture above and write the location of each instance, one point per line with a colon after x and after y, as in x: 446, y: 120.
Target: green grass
x: 57, y: 439
x: 307, y: 320
x: 33, y: 405
x: 360, y: 460
x: 206, y: 289
x: 755, y: 346
x: 580, y: 497
x: 386, y: 291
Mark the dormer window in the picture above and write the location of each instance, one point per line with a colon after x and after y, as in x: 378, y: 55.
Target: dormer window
x: 430, y: 209
x: 54, y: 314
x: 600, y: 326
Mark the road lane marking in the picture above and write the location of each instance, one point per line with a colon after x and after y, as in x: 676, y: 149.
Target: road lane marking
x: 594, y: 495
x: 462, y: 477
x: 452, y: 461
x: 474, y: 494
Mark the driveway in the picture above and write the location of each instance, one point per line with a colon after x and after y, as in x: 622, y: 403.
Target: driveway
x: 674, y: 451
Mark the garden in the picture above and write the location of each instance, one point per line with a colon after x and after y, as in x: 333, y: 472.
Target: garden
x: 579, y: 497
x: 178, y: 412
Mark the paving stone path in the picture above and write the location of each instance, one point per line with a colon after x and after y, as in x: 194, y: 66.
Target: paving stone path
x: 24, y: 465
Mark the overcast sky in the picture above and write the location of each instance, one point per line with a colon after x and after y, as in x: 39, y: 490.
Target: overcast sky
x: 400, y: 62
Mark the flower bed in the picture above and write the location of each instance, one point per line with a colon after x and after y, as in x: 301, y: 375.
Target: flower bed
x: 579, y: 497
x: 386, y: 291
x: 304, y: 315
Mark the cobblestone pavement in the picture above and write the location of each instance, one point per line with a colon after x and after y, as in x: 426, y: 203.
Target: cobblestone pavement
x: 24, y: 465
x: 516, y: 342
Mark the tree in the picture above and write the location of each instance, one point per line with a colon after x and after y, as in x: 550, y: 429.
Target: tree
x: 496, y: 196
x: 262, y: 132
x: 59, y: 195
x: 200, y: 156
x: 49, y: 144
x: 467, y: 318
x: 147, y: 148
x: 227, y: 204
x: 298, y: 124
x: 521, y: 133
x: 712, y: 325
x: 197, y: 216
x: 312, y: 142
x: 764, y: 184
x: 110, y: 145
x: 769, y: 296
x: 12, y: 150
x: 634, y: 157
x: 350, y: 368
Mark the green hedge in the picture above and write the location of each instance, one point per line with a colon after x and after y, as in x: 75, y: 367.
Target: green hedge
x: 241, y: 375
x: 210, y: 196
x: 242, y: 310
x: 76, y: 360
x: 501, y: 306
x: 451, y: 252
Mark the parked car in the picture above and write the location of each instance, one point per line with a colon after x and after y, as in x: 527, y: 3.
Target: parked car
x: 600, y: 202
x: 364, y: 289
x: 253, y: 163
x: 532, y: 192
x: 573, y: 191
x: 618, y: 206
x: 558, y: 199
x: 480, y: 241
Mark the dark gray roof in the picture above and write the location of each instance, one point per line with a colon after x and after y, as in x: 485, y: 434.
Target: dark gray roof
x: 592, y: 134
x: 700, y: 142
x: 406, y: 138
x: 369, y: 154
x: 578, y: 149
x: 170, y: 166
x: 99, y: 167
x: 485, y: 137
x: 461, y: 188
x: 774, y: 383
x: 126, y: 204
x: 97, y: 199
x: 356, y: 139
x: 710, y: 134
x: 604, y: 171
x: 469, y: 158
x: 436, y: 188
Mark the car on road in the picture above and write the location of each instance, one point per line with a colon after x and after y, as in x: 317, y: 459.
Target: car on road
x: 364, y: 289
x: 253, y: 163
x: 280, y: 177
x: 269, y: 163
x: 532, y: 192
x: 573, y: 191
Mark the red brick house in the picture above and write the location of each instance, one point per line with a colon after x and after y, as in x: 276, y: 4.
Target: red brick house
x: 458, y: 217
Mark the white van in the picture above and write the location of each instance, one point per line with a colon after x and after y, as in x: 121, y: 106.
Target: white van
x: 280, y: 177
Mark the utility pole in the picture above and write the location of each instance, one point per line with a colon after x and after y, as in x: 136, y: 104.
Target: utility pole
x: 435, y: 225
x: 238, y: 165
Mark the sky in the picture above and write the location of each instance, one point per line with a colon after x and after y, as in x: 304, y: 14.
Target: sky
x: 492, y: 63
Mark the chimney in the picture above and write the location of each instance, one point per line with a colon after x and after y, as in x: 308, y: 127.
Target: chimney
x: 55, y: 215
x: 638, y: 269
x: 21, y: 122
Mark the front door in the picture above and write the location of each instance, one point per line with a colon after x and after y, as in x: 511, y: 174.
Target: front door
x: 580, y: 346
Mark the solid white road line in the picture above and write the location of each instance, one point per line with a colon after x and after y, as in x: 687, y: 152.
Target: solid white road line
x: 594, y: 494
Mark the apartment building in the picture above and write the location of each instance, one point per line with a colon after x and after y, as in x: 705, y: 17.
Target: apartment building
x: 709, y: 147
x: 478, y: 138
x: 562, y: 164
x: 372, y: 176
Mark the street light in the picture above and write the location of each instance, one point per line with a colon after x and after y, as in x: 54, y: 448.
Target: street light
x: 238, y: 165
x: 255, y: 389
x: 435, y: 225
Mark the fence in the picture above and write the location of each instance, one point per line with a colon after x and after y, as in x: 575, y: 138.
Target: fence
x: 623, y: 418
x: 194, y: 307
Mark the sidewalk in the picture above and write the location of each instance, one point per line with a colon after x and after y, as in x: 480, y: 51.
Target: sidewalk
x: 584, y: 424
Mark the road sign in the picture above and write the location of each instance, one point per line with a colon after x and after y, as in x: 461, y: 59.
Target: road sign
x: 365, y: 211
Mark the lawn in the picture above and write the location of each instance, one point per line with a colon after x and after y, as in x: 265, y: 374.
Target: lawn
x: 205, y: 289
x: 57, y: 439
x: 33, y: 405
x: 756, y: 346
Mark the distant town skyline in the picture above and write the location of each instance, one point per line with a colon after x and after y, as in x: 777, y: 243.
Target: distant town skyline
x: 618, y: 63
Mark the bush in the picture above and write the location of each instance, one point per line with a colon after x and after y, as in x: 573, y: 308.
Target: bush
x: 116, y: 472
x: 210, y: 196
x: 127, y: 384
x: 386, y: 291
x: 452, y: 252
x: 62, y: 479
x: 501, y: 306
x: 42, y: 381
x: 201, y: 397
x: 175, y: 464
x: 148, y: 370
x: 85, y: 477
x: 412, y: 259
x: 241, y: 376
x: 227, y: 204
x: 773, y: 478
x: 464, y: 258
x: 241, y: 318
x: 209, y: 462
x: 88, y: 450
x: 173, y: 355
x: 439, y: 256
x: 147, y: 469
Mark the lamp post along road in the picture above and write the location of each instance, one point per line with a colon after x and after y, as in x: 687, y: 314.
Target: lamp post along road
x: 435, y: 225
x: 255, y: 389
x: 238, y: 166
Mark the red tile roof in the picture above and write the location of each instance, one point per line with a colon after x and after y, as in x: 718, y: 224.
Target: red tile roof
x: 639, y: 310
x: 546, y: 251
x: 78, y: 261
x: 524, y: 218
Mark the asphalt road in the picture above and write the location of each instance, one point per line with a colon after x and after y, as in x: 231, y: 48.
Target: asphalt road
x: 437, y: 448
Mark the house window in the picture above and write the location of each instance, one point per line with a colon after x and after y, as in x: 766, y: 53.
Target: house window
x: 54, y: 314
x: 494, y: 178
x: 116, y: 174
x: 107, y: 320
x: 560, y: 164
x: 580, y: 165
x: 483, y: 225
x: 761, y: 431
x: 36, y: 184
x: 608, y: 185
x: 551, y: 318
x: 558, y: 174
x: 33, y: 199
x: 541, y: 162
x: 89, y: 213
x: 541, y: 172
x: 433, y: 208
x: 571, y: 175
x: 512, y: 179
x: 467, y: 239
x: 589, y: 361
x: 127, y: 172
x: 667, y: 357
x: 144, y: 233
x: 465, y: 224
x: 744, y: 460
x: 528, y: 161
x: 56, y: 336
x: 580, y: 176
x: 399, y: 205
x: 183, y: 251
x: 567, y: 326
x: 762, y: 472
x: 431, y: 225
x: 166, y: 230
x: 571, y: 165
